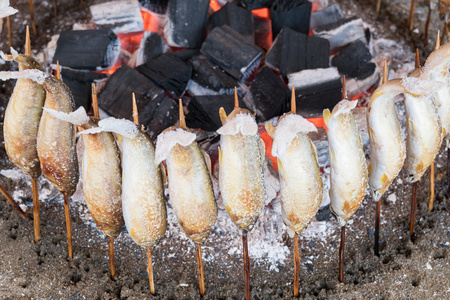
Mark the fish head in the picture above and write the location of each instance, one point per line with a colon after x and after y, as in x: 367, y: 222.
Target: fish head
x: 27, y: 62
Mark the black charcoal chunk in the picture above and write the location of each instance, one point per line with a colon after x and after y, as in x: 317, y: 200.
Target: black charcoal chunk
x: 231, y: 51
x: 156, y: 6
x: 184, y: 54
x: 268, y: 95
x: 159, y: 114
x: 208, y: 76
x: 342, y: 32
x: 87, y: 49
x: 262, y: 28
x: 122, y: 16
x: 326, y: 15
x: 168, y: 72
x: 152, y: 45
x: 353, y: 61
x: 254, y: 4
x: 115, y: 97
x: 80, y: 84
x: 186, y: 23
x: 238, y: 18
x: 316, y: 90
x: 294, y: 14
x: 293, y: 51
x: 204, y: 111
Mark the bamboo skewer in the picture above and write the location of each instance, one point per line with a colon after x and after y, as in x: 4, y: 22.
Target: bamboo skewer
x: 378, y: 6
x: 112, y: 268
x: 201, y: 276
x: 149, y: 252
x: 413, y: 209
x: 27, y: 41
x: 8, y: 23
x: 58, y: 70
x: 13, y: 203
x: 341, y: 255
x: 411, y: 15
x: 427, y: 24
x: 33, y: 23
x: 95, y: 102
x: 296, y: 266
x: 376, y: 246
x: 246, y: 265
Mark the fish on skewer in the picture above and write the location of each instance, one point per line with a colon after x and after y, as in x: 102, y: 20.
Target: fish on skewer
x: 241, y: 176
x: 190, y: 186
x: 349, y: 174
x: 298, y: 165
x: 21, y: 123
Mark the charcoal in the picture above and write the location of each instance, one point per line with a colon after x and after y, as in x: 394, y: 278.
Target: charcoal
x: 326, y: 15
x: 254, y: 4
x: 294, y: 14
x: 316, y: 90
x: 168, y: 72
x: 353, y: 61
x: 152, y: 45
x: 184, y: 54
x: 87, y: 49
x: 268, y: 95
x: 186, y: 23
x: 342, y: 32
x: 208, y: 76
x: 115, y: 97
x: 121, y: 16
x: 262, y: 28
x: 159, y: 114
x: 156, y: 6
x: 204, y: 111
x: 80, y: 84
x: 293, y: 51
x: 238, y: 18
x: 231, y: 51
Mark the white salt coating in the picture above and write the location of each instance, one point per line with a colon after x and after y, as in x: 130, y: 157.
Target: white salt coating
x: 6, y: 10
x: 417, y: 86
x: 123, y: 127
x: 14, y: 53
x: 33, y: 74
x: 242, y: 123
x: 343, y: 107
x: 306, y: 78
x: 167, y: 140
x: 78, y: 117
x: 287, y: 130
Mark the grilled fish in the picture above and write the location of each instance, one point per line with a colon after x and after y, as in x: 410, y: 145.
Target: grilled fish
x: 347, y: 161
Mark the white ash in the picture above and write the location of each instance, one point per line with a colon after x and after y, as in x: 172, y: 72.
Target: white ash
x: 311, y: 77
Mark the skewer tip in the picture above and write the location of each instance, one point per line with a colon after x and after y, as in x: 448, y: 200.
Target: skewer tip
x: 135, y: 110
x: 293, y: 102
x: 417, y: 61
x: 95, y: 102
x: 27, y: 41
x: 344, y: 92
x: 236, y: 99
x: 438, y: 40
x: 181, y: 113
x: 385, y: 74
x: 58, y: 70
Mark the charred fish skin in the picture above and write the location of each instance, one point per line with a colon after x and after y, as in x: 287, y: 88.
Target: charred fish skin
x: 387, y: 147
x: 300, y: 182
x: 191, y: 191
x: 424, y: 134
x: 349, y: 175
x: 22, y: 117
x: 56, y: 145
x: 102, y: 180
x: 144, y: 209
x: 241, y: 175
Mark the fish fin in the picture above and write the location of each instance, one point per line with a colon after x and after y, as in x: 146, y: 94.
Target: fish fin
x: 315, y: 150
x: 372, y: 133
x: 263, y: 148
x: 369, y: 167
x: 332, y: 156
x: 223, y: 115
x: 384, y: 178
x: 326, y: 116
x: 220, y: 156
x: 270, y: 129
x: 164, y: 177
x: 411, y: 124
x: 207, y: 160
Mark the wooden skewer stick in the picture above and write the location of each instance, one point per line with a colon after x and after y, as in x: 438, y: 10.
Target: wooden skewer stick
x: 33, y: 24
x: 68, y: 224
x: 413, y: 209
x: 246, y: 265
x: 344, y: 91
x: 13, y: 203
x: 427, y: 24
x: 293, y: 102
x: 95, y: 102
x: 27, y: 41
x: 236, y: 99
x: 58, y: 70
x: 341, y: 255
x: 417, y: 60
x: 181, y: 114
x: 112, y: 268
x: 201, y: 276
x: 376, y: 246
x: 411, y: 15
x: 8, y: 23
x: 296, y: 266
x: 378, y: 6
x: 149, y: 252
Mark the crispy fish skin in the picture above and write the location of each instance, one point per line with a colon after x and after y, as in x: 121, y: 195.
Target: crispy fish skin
x: 102, y: 180
x: 241, y: 175
x: 349, y: 175
x: 301, y: 184
x: 191, y: 192
x: 436, y: 68
x: 144, y: 209
x: 56, y: 143
x: 424, y: 134
x: 387, y: 148
x: 22, y: 117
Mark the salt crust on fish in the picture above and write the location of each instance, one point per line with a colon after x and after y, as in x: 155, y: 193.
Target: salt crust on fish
x: 242, y: 123
x: 78, y: 117
x: 169, y: 139
x: 123, y: 127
